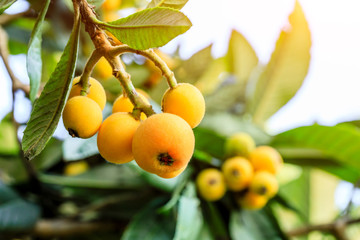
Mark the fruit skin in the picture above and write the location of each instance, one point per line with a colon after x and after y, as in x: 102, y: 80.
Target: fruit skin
x: 266, y: 158
x: 186, y: 101
x: 123, y: 104
x: 238, y: 173
x: 163, y: 143
x: 211, y: 184
x: 172, y: 174
x: 239, y: 144
x: 252, y: 201
x: 76, y: 168
x: 111, y: 5
x: 264, y: 183
x: 96, y: 91
x: 115, y: 137
x: 82, y: 117
x: 103, y: 69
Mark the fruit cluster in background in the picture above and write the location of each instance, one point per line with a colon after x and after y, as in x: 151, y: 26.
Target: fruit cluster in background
x: 161, y: 144
x: 249, y: 173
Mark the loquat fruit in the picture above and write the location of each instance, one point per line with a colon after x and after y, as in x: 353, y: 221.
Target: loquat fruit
x: 264, y: 183
x: 172, y: 174
x: 186, y: 101
x: 82, y: 117
x: 163, y: 143
x: 252, y: 201
x: 238, y: 173
x: 76, y: 168
x: 239, y: 144
x: 115, y: 137
x: 96, y: 91
x: 102, y: 69
x: 123, y: 104
x: 111, y: 5
x: 211, y: 184
x: 266, y: 158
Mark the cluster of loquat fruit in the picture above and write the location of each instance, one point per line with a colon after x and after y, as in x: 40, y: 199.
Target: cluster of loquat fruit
x: 248, y: 172
x: 161, y: 144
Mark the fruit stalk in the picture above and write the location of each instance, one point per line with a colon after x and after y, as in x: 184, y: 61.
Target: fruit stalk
x: 90, y: 64
x: 103, y: 46
x: 150, y: 54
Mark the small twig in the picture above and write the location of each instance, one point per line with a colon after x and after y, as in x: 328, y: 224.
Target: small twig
x: 63, y: 228
x: 150, y: 54
x: 6, y: 18
x: 329, y: 227
x: 4, y: 53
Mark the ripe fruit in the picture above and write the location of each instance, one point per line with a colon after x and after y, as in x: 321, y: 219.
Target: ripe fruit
x: 211, y: 184
x: 115, y: 137
x: 266, y: 158
x: 96, y: 91
x: 186, y: 101
x: 264, y: 183
x: 103, y: 69
x: 172, y: 174
x: 252, y: 201
x: 111, y: 5
x: 123, y: 104
x: 239, y: 144
x: 163, y: 143
x: 82, y: 117
x: 76, y: 168
x: 238, y: 173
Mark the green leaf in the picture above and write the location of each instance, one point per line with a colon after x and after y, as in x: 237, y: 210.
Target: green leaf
x: 234, y: 124
x: 176, y: 4
x: 239, y: 64
x: 209, y: 142
x: 48, y: 108
x: 148, y: 225
x: 193, y: 68
x: 18, y: 216
x: 106, y: 176
x: 212, y: 78
x: 5, y: 4
x: 7, y: 194
x: 164, y: 184
x: 255, y: 225
x: 241, y: 58
x: 174, y: 198
x: 12, y: 169
x: 33, y: 58
x: 76, y: 149
x: 51, y: 155
x: 238, y: 231
x: 8, y: 138
x: 189, y: 218
x: 306, y: 157
x: 215, y: 221
x: 286, y: 70
x: 149, y: 28
x: 339, y: 143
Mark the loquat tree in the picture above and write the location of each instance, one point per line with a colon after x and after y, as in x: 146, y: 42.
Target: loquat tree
x: 125, y: 141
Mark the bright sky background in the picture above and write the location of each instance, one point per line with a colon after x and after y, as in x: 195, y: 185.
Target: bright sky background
x: 330, y: 93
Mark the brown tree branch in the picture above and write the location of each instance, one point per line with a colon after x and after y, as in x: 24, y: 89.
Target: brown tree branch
x: 4, y: 53
x: 63, y: 227
x: 6, y: 18
x: 337, y: 228
x: 104, y: 46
